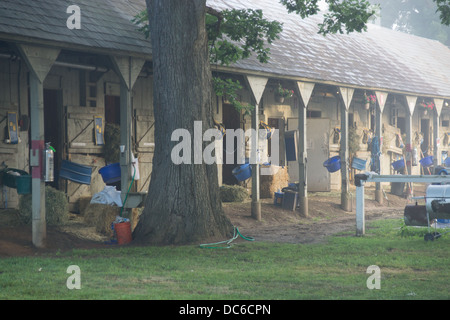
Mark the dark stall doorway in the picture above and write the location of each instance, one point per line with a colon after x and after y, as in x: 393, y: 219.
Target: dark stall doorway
x: 112, y: 109
x: 53, y: 129
x: 231, y: 120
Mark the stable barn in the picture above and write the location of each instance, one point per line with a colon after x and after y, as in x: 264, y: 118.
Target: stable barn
x: 406, y: 76
x: 64, y: 85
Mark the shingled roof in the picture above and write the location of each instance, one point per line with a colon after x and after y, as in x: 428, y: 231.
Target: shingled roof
x: 105, y: 24
x: 380, y: 59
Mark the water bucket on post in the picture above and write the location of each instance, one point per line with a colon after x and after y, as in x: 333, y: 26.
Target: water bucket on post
x: 359, y: 164
x: 123, y: 232
x: 111, y: 173
x: 427, y: 161
x: 242, y: 172
x: 333, y: 164
x: 447, y: 162
x: 399, y: 164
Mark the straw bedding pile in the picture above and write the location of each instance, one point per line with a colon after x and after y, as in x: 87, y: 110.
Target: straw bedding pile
x: 101, y: 216
x: 233, y: 193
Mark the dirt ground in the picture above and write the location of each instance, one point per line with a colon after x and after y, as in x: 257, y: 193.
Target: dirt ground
x: 277, y: 225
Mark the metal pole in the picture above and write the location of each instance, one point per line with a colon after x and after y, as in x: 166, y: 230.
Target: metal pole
x: 360, y: 218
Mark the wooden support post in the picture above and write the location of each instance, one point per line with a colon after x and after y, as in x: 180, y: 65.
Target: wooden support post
x: 128, y: 69
x: 302, y: 162
x: 125, y: 138
x: 347, y: 95
x: 411, y: 105
x: 305, y: 91
x: 439, y: 103
x: 409, y: 150
x: 254, y: 160
x: 38, y: 224
x: 381, y: 101
x: 379, y: 135
x: 257, y: 86
x: 39, y: 60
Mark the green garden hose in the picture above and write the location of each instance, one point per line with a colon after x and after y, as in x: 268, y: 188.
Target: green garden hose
x: 227, y: 243
x: 129, y: 188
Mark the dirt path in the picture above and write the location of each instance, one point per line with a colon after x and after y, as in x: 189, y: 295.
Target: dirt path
x: 325, y: 218
x: 277, y: 225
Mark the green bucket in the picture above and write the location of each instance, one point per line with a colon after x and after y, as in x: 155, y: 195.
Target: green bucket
x: 17, y: 179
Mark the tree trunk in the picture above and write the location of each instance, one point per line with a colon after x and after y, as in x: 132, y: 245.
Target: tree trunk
x: 183, y: 203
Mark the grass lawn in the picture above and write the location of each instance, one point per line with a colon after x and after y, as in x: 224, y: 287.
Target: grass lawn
x: 410, y: 269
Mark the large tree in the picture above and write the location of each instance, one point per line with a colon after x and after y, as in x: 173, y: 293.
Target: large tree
x: 183, y: 203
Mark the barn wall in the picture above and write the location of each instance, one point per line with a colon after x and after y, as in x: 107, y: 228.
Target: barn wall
x: 143, y: 130
x: 13, y: 98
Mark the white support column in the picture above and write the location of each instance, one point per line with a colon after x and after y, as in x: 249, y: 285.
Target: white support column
x: 128, y: 69
x: 257, y: 86
x: 305, y: 90
x: 439, y: 103
x: 381, y: 100
x: 347, y: 96
x: 411, y: 105
x: 39, y: 60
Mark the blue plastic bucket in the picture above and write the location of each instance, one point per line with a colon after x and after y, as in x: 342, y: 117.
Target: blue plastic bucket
x: 447, y: 162
x: 242, y: 172
x: 359, y: 164
x: 75, y: 172
x: 111, y: 173
x: 427, y: 161
x: 399, y: 164
x: 333, y: 164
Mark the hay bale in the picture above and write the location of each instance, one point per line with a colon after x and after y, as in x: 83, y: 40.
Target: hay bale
x: 56, y: 207
x: 83, y: 203
x: 270, y: 184
x: 135, y: 215
x: 233, y: 193
x: 101, y: 216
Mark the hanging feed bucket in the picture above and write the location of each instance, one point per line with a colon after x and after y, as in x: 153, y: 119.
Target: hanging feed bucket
x: 447, y: 162
x: 427, y: 161
x: 75, y: 172
x: 399, y: 164
x: 111, y: 173
x: 242, y: 172
x: 359, y: 164
x: 17, y: 179
x: 333, y: 164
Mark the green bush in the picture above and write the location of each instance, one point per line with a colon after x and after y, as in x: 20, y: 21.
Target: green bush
x: 233, y: 193
x: 56, y: 207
